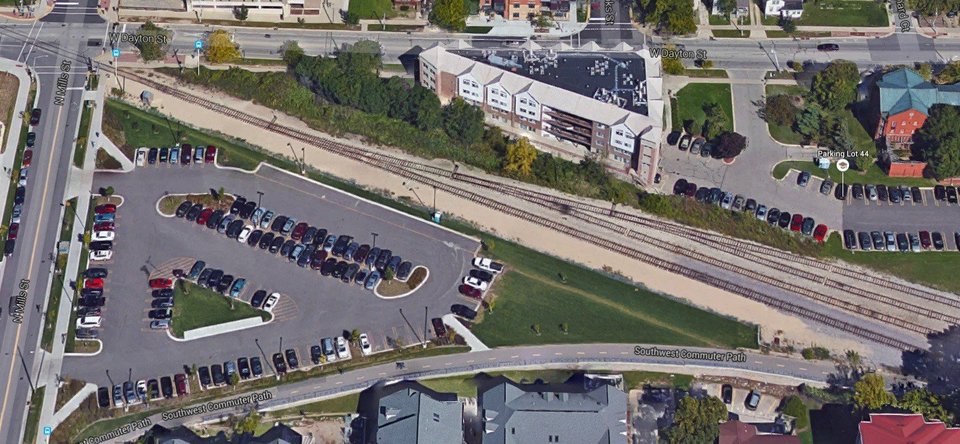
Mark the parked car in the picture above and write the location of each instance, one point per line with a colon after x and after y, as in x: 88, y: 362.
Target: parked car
x: 292, y: 361
x: 266, y: 219
x: 773, y: 215
x: 365, y: 348
x: 463, y: 311
x: 103, y: 397
x: 803, y: 178
x: 865, y: 241
x: 279, y: 364
x: 752, y: 401
x: 940, y: 193
x: 237, y: 287
x: 903, y: 242
x: 882, y: 194
x: 937, y: 239
x: 258, y: 297
x: 784, y: 220
x: 204, y: 374
x: 806, y: 227
x: 217, y: 371
x: 914, y: 242
x: 164, y: 154
x: 840, y: 191
x: 180, y: 380
x: 820, y: 233
x: 166, y: 387
x: 891, y: 241
x: 470, y: 291
x: 871, y: 192
x: 161, y: 283
x: 828, y: 47
x: 343, y: 350
x: 951, y: 195
x: 796, y: 222
x: 684, y: 142
x: 726, y: 393
x: 925, y: 240
x: 256, y: 368
x: 895, y: 195
x: 917, y: 195
x: 152, y: 155
x: 271, y: 302
x: 210, y: 155
x: 372, y: 280
x: 194, y: 212
x: 878, y: 240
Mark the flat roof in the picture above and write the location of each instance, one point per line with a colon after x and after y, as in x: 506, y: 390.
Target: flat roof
x: 610, y: 77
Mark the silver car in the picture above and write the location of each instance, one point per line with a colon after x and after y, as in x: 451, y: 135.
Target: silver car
x: 871, y: 192
x: 727, y: 200
x: 891, y: 241
x: 738, y: 203
x: 265, y: 221
x: 255, y: 217
x: 762, y: 212
x: 914, y: 242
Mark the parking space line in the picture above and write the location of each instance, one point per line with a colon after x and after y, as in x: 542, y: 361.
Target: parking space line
x: 491, y: 359
x: 536, y: 354
x: 426, y: 366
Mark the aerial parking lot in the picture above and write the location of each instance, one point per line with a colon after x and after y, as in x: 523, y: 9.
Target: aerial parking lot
x: 311, y: 307
x: 870, y: 209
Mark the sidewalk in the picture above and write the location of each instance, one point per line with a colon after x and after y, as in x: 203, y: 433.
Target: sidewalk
x: 472, y: 340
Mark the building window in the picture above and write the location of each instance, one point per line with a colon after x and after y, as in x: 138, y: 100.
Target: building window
x: 516, y: 5
x: 531, y: 5
x: 516, y: 15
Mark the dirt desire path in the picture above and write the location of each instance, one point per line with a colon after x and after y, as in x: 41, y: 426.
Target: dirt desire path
x: 789, y: 329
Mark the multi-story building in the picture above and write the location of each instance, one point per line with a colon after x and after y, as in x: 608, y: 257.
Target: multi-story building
x: 792, y: 9
x: 604, y: 103
x: 525, y: 9
x: 257, y: 7
x: 895, y: 428
x: 415, y: 415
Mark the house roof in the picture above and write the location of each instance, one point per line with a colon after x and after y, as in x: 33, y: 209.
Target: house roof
x: 411, y: 416
x: 539, y: 413
x: 904, y: 89
x: 906, y: 429
x: 736, y: 432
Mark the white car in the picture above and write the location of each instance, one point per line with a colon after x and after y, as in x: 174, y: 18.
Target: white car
x: 142, y: 390
x: 89, y: 321
x: 245, y: 234
x: 141, y: 157
x: 101, y: 255
x: 365, y: 345
x: 487, y: 265
x: 475, y: 283
x: 160, y: 324
x: 343, y: 350
x: 271, y: 301
x: 103, y: 236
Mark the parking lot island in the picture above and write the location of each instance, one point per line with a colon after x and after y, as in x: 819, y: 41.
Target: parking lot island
x: 395, y: 288
x: 202, y: 312
x: 226, y: 327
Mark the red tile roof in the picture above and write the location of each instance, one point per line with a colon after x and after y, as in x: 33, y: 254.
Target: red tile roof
x: 736, y: 432
x: 906, y: 429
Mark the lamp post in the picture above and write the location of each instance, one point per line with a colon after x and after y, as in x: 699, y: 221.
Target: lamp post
x: 374, y: 239
x: 259, y: 197
x: 65, y: 205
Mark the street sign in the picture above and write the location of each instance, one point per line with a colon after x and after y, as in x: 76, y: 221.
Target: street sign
x: 47, y: 430
x: 116, y: 52
x: 198, y: 44
x: 843, y: 165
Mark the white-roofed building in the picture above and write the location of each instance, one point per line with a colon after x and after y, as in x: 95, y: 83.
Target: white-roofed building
x: 608, y: 103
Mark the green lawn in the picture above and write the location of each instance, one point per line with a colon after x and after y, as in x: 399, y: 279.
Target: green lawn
x: 203, y: 307
x: 843, y: 13
x: 731, y: 33
x: 466, y: 385
x: 130, y: 128
x: 531, y: 292
x: 33, y: 416
x: 936, y: 269
x: 329, y: 407
x: 372, y: 9
x: 81, y: 150
x: 706, y: 73
x: 56, y: 285
x: 873, y: 174
x: 692, y: 98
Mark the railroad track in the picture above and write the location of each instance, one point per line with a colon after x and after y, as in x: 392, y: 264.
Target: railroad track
x: 427, y: 174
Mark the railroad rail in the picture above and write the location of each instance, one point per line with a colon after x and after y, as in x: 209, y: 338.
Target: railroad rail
x: 418, y: 172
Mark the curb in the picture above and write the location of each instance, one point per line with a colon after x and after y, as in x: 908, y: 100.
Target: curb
x: 87, y: 354
x: 387, y: 298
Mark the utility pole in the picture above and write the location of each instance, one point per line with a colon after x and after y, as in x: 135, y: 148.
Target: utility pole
x: 259, y: 197
x: 374, y: 239
x: 425, y: 310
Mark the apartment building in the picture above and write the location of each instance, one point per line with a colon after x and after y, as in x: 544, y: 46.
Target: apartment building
x: 525, y: 9
x: 258, y: 7
x: 593, y: 101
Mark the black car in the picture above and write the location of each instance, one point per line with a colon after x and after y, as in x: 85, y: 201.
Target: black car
x: 917, y: 195
x: 214, y: 279
x: 938, y: 243
x: 194, y: 212
x: 164, y: 292
x: 164, y: 152
x: 350, y: 273
x: 773, y: 215
x: 315, y: 354
x: 849, y: 239
x: 92, y: 302
x: 309, y: 235
x: 716, y: 195
x: 806, y: 228
x: 940, y: 192
x: 218, y: 378
x: 276, y: 244
x: 317, y: 258
x: 278, y: 223
x: 255, y: 367
x: 463, y: 311
x: 803, y: 179
x: 186, y: 153
x: 481, y: 275
x: 895, y: 195
x: 360, y: 278
x: 865, y: 240
x: 35, y: 116
x: 91, y: 273
x: 287, y: 248
x: 361, y: 254
x: 204, y: 374
x: 828, y: 47
x: 726, y: 393
x: 702, y: 194
x: 341, y: 245
x: 292, y: 362
x: 247, y: 209
x: 164, y: 313
x: 91, y: 292
x: 258, y: 297
x: 243, y: 367
x: 162, y: 303
x: 184, y: 208
x: 680, y: 187
x: 31, y: 139
x: 903, y: 244
x: 238, y: 203
x: 103, y: 397
x: 153, y: 388
x: 328, y: 266
x: 20, y: 196
x: 784, y: 220
x: 857, y: 191
x: 951, y: 195
x: 9, y: 246
x: 304, y: 259
x: 254, y: 237
x: 882, y: 193
x: 214, y: 220
x: 225, y: 282
x: 319, y: 237
x: 265, y: 240
x: 88, y: 333
x: 372, y: 257
x: 278, y: 364
x: 340, y: 269
x: 202, y: 279
x: 840, y: 191
x: 152, y: 156
x: 383, y: 258
x: 101, y: 245
x: 166, y: 387
x: 403, y: 271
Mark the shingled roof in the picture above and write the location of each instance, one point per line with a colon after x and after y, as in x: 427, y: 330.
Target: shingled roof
x: 904, y: 89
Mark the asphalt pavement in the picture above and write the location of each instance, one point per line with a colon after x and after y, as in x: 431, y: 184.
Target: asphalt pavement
x: 311, y: 306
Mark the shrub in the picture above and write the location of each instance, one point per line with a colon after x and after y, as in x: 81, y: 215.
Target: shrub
x: 811, y: 353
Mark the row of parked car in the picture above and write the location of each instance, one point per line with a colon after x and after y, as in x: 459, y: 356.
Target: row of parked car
x: 773, y: 216
x: 478, y: 280
x: 338, y: 256
x: 697, y: 146
x: 104, y: 224
x: 893, y: 241
x: 177, y: 155
x: 21, y: 192
x: 129, y: 393
x: 880, y: 193
x: 91, y: 301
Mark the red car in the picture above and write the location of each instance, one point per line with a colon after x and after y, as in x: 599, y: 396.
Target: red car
x: 298, y: 231
x: 820, y: 233
x: 160, y: 283
x: 925, y: 240
x: 211, y: 154
x: 105, y: 209
x: 93, y: 283
x: 796, y: 222
x: 181, y: 381
x: 204, y: 216
x: 472, y: 292
x: 12, y: 231
x: 104, y: 226
x: 27, y: 157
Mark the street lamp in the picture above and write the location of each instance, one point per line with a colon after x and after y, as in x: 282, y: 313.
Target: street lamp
x: 374, y: 239
x: 65, y: 205
x: 259, y: 197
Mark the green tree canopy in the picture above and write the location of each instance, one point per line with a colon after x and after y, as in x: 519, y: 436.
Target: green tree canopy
x: 670, y: 16
x: 449, y: 14
x: 809, y: 123
x: 780, y: 110
x: 730, y: 145
x: 938, y: 141
x: 926, y: 403
x: 520, y: 157
x: 463, y: 121
x: 949, y: 74
x: 292, y: 52
x: 870, y: 393
x: 220, y: 48
x: 152, y: 41
x: 697, y: 421
x: 836, y: 86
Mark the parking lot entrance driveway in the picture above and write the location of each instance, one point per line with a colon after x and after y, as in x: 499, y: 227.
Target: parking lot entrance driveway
x: 311, y: 307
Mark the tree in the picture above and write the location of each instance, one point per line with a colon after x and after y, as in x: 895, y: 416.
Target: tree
x: 788, y: 25
x: 350, y: 18
x: 673, y: 66
x: 536, y: 329
x: 840, y: 136
x: 520, y: 157
x: 780, y: 110
x: 249, y: 423
x: 241, y: 13
x: 926, y: 71
x: 221, y: 193
x: 355, y: 335
x: 388, y: 274
x: 938, y: 141
x: 362, y: 57
x: 949, y: 74
x: 220, y: 48
x: 725, y: 6
x: 152, y: 41
x: 809, y: 123
x: 463, y: 122
x: 234, y: 380
x: 926, y: 403
x: 696, y: 128
x: 292, y: 52
x: 106, y: 191
x: 717, y: 120
x: 730, y: 145
x: 836, y: 86
x: 491, y: 304
x: 669, y: 16
x: 449, y: 14
x: 937, y: 364
x: 869, y: 393
x: 697, y: 421
x: 544, y: 20
x: 706, y: 63
x: 797, y: 409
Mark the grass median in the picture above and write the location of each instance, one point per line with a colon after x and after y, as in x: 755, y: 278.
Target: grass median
x: 56, y: 285
x: 83, y: 134
x: 195, y: 307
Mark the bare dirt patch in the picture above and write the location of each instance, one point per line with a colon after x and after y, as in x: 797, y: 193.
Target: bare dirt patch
x: 8, y: 98
x: 168, y: 204
x: 395, y: 287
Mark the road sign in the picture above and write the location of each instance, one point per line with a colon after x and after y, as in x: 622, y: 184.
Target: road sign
x: 47, y: 430
x: 116, y: 52
x: 843, y: 165
x: 198, y: 44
